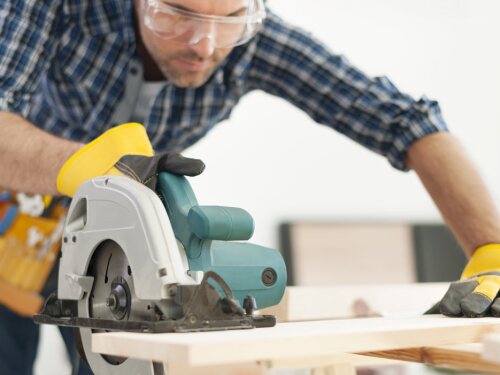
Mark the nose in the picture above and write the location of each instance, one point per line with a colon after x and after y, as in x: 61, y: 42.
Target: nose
x: 204, y: 48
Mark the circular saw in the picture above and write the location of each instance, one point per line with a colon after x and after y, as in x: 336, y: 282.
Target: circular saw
x: 139, y: 260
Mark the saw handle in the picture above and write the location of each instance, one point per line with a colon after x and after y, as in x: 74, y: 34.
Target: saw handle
x: 220, y: 223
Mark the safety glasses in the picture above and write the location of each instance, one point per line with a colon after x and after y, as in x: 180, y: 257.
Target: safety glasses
x: 173, y: 23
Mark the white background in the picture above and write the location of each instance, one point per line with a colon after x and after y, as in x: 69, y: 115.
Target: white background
x: 272, y: 160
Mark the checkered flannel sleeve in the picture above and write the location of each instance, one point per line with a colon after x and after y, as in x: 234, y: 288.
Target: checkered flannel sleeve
x: 292, y: 64
x: 26, y: 47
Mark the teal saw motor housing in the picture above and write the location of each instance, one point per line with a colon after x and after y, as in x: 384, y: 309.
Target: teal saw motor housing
x: 209, y: 234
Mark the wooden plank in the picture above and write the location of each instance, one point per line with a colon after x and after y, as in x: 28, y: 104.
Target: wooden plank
x: 318, y: 364
x: 356, y: 360
x: 491, y: 347
x: 331, y: 302
x: 292, y: 340
x: 260, y: 368
x: 463, y: 357
x: 231, y: 369
x: 338, y: 369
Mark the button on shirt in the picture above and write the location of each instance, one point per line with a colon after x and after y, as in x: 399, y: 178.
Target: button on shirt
x: 66, y: 66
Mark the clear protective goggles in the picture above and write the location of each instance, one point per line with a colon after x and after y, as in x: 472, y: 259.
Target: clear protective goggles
x: 174, y: 23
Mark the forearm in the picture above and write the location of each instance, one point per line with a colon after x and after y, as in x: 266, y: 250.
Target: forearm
x: 457, y: 189
x: 30, y: 158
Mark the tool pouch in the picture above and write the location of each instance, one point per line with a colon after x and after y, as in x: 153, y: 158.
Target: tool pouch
x: 30, y: 239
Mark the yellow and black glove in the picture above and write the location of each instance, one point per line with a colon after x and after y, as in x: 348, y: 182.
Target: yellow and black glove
x: 476, y: 294
x: 124, y: 150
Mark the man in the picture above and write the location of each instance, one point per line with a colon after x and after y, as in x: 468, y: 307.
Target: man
x: 69, y: 71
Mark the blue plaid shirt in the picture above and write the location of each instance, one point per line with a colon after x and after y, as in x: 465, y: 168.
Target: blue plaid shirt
x: 65, y: 65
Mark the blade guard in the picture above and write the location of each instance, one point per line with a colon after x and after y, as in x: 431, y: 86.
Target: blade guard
x: 122, y: 210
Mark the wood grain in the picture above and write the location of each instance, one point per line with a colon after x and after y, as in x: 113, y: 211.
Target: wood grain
x: 294, y: 340
x: 463, y: 357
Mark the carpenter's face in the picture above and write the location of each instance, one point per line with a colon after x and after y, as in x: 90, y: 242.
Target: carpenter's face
x: 186, y: 65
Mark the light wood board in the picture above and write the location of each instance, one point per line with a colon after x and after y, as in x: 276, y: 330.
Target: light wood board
x: 294, y: 340
x: 335, y: 361
x: 331, y: 302
x: 462, y: 356
x: 491, y: 348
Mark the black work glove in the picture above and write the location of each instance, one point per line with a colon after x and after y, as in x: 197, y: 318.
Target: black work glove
x: 145, y: 169
x: 477, y: 292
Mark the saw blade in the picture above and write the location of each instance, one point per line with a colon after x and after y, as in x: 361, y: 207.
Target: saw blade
x: 113, y: 295
x: 113, y: 298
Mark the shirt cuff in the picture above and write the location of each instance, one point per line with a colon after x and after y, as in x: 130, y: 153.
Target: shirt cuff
x: 424, y: 118
x: 11, y: 103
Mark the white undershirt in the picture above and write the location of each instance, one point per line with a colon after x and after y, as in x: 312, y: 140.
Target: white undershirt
x: 147, y: 93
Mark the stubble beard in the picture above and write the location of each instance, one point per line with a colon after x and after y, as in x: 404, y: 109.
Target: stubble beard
x: 184, y: 79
